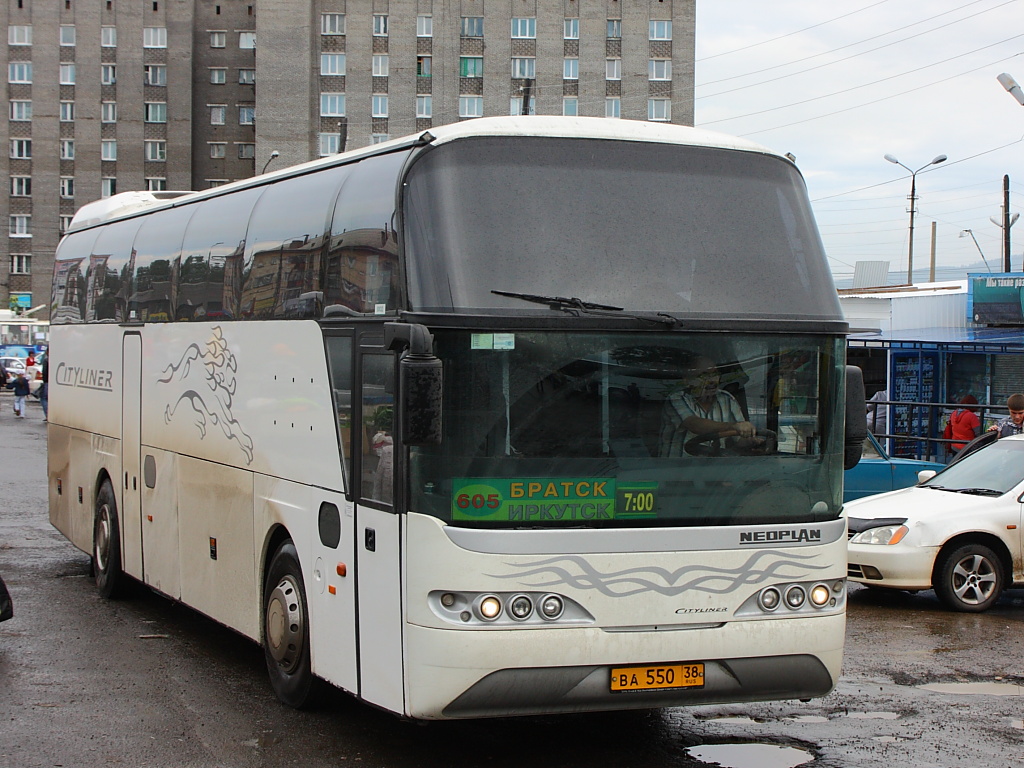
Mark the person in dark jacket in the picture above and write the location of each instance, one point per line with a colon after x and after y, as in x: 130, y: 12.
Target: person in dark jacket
x: 21, y: 390
x: 44, y: 389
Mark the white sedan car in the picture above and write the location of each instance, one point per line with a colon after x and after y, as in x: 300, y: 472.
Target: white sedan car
x: 958, y: 532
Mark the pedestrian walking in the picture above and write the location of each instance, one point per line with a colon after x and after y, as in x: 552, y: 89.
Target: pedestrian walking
x: 21, y: 390
x: 963, y: 425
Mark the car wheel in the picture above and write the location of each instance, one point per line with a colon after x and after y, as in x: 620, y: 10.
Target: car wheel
x: 969, y: 578
x: 286, y: 630
x: 106, y: 544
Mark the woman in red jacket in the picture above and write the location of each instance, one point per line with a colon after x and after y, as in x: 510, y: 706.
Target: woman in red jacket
x: 964, y: 425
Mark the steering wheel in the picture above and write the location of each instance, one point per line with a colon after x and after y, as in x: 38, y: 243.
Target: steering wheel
x: 710, y: 443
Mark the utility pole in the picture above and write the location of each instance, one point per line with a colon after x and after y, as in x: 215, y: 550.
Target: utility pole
x: 1005, y: 221
x: 931, y: 273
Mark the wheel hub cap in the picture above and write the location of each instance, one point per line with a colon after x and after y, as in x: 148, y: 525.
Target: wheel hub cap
x: 285, y: 629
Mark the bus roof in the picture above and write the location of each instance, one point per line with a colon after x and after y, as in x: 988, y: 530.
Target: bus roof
x: 128, y: 203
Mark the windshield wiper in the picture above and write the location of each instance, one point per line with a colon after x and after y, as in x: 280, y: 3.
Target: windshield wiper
x: 942, y: 488
x: 579, y: 305
x: 980, y: 492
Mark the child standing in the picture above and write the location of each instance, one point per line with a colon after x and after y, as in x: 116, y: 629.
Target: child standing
x: 21, y: 390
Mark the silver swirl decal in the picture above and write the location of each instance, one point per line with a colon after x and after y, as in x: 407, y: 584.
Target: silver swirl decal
x: 577, y: 573
x: 208, y: 372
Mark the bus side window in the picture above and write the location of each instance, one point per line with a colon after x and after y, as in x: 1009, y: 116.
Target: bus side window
x: 378, y: 420
x: 339, y: 360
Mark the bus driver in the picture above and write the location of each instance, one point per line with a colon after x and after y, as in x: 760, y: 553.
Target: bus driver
x: 700, y: 408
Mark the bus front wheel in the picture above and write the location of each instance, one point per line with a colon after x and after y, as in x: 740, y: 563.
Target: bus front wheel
x: 286, y: 630
x: 106, y: 544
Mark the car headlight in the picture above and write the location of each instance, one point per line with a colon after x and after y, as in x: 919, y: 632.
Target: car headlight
x: 884, y: 534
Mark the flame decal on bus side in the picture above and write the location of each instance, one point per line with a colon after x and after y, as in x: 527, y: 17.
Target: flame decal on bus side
x: 577, y: 573
x: 216, y: 367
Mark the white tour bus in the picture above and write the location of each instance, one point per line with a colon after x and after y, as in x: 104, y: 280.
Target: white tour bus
x: 414, y: 418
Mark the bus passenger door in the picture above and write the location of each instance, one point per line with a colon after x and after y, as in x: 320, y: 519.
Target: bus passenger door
x: 378, y: 536
x: 131, y: 445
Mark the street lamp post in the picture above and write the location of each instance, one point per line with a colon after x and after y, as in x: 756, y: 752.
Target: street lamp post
x: 913, y: 206
x: 273, y: 155
x: 980, y: 252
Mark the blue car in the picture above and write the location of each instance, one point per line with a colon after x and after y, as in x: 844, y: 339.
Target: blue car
x: 877, y: 472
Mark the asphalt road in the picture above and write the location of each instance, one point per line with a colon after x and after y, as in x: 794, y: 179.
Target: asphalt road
x: 142, y: 682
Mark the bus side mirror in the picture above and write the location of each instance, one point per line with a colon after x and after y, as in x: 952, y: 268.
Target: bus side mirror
x: 420, y: 381
x: 856, y: 417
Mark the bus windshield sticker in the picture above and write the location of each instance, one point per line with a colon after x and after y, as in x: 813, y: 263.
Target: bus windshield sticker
x: 493, y: 341
x: 552, y: 499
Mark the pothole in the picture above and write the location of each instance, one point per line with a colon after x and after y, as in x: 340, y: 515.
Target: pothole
x: 750, y: 755
x: 872, y: 715
x: 974, y: 689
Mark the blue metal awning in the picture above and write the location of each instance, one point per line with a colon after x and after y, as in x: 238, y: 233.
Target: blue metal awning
x: 981, y: 339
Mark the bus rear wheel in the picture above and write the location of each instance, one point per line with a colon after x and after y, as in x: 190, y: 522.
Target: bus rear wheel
x: 106, y: 544
x: 286, y: 631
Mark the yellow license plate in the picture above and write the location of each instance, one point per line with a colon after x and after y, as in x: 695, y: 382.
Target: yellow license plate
x: 657, y: 677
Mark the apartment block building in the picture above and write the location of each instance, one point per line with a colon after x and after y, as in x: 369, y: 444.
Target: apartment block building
x: 108, y: 96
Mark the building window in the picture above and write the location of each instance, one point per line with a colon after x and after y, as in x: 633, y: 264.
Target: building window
x: 246, y: 40
x: 424, y: 106
x: 471, y: 66
x: 247, y: 77
x: 67, y: 111
x: 614, y: 29
x: 380, y: 106
x: 22, y: 110
x: 424, y: 26
x: 380, y: 25
x: 155, y: 112
x: 423, y: 66
x: 108, y: 149
x: 332, y: 23
x: 108, y: 112
x: 516, y: 106
x: 108, y: 186
x: 332, y: 104
x: 108, y: 74
x: 218, y: 75
x: 65, y: 224
x: 216, y: 183
x: 19, y: 72
x: 67, y: 74
x: 472, y: 26
x: 108, y: 37
x: 332, y: 64
x: 246, y: 151
x: 21, y: 186
x: 67, y: 187
x: 247, y: 115
x: 67, y: 34
x: 218, y: 114
x: 155, y: 74
x: 19, y: 35
x: 524, y: 28
x: 524, y: 67
x: 612, y: 107
x: 218, y: 39
x: 571, y: 69
x: 570, y: 106
x: 659, y: 109
x: 21, y: 149
x: 572, y: 29
x: 613, y: 69
x: 21, y: 264
x: 67, y: 149
x: 156, y: 184
x: 471, y: 106
x: 21, y: 225
x: 329, y: 144
x: 217, y: 149
x: 154, y: 37
x: 155, y: 151
x: 659, y: 69
x: 378, y: 138
x: 380, y: 65
x: 660, y: 30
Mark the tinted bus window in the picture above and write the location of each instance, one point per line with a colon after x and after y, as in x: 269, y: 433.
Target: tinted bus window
x: 107, y: 282
x: 68, y: 296
x: 156, y: 261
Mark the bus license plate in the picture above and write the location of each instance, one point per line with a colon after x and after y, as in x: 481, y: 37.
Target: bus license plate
x: 656, y: 678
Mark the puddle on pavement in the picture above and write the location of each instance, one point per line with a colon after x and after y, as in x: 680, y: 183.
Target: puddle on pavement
x: 873, y: 715
x: 1018, y: 724
x: 807, y: 719
x: 741, y: 719
x: 750, y: 755
x: 989, y: 689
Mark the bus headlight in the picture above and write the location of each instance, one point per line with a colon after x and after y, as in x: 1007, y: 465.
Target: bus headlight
x: 820, y: 595
x: 520, y: 607
x: 795, y: 596
x: 551, y: 607
x: 489, y: 608
x: 769, y: 599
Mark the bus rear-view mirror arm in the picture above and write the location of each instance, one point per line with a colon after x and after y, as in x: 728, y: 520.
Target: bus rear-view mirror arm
x: 420, y: 381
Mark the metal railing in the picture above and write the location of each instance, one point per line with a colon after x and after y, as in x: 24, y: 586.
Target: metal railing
x: 914, y: 429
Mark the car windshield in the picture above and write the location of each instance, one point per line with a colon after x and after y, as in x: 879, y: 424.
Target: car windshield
x: 995, y: 469
x: 551, y: 429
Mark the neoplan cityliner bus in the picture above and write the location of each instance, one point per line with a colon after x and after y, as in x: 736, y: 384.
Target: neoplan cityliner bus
x: 411, y: 418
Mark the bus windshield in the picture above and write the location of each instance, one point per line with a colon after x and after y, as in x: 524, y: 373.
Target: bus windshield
x: 552, y: 429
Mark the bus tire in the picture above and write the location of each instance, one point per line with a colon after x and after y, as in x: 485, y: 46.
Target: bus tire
x: 106, y: 545
x: 286, y: 631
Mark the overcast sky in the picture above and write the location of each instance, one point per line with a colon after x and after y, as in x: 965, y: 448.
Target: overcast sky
x: 841, y: 84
